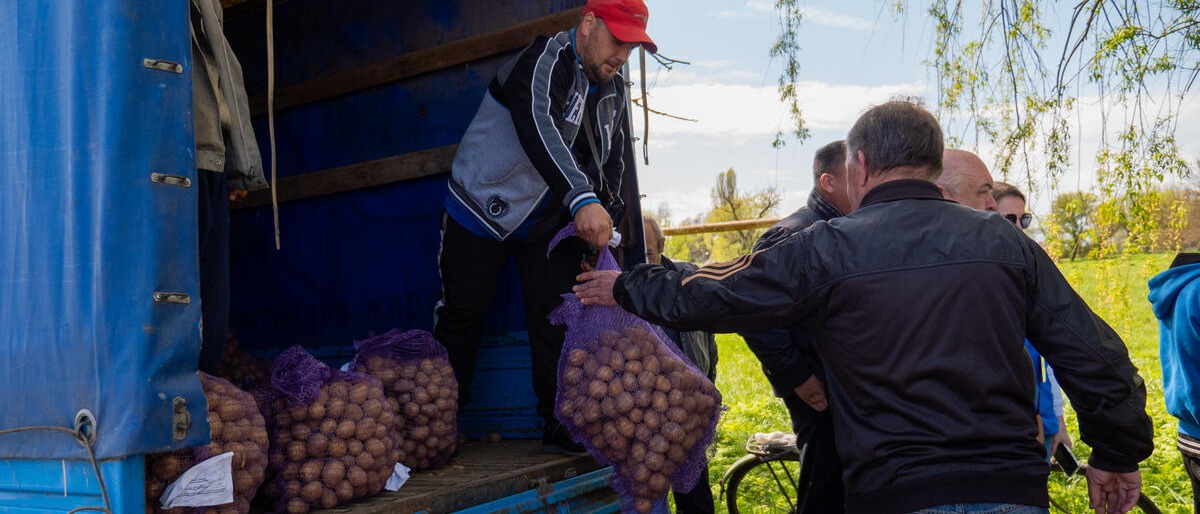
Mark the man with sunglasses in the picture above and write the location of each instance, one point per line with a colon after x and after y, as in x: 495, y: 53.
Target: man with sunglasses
x: 1010, y: 203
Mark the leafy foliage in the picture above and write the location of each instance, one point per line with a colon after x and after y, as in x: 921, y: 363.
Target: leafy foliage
x: 1071, y: 227
x: 786, y: 48
x: 1127, y: 64
x: 1080, y: 226
x: 729, y: 204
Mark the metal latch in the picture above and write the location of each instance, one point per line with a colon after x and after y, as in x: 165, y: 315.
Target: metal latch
x: 163, y: 65
x: 181, y: 417
x: 170, y: 180
x: 543, y: 487
x: 161, y: 297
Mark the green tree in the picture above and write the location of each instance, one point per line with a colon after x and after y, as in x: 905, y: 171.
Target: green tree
x: 690, y: 247
x: 731, y: 204
x: 1070, y: 228
x: 1007, y: 79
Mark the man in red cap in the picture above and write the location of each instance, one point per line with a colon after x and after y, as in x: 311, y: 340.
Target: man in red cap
x: 546, y: 147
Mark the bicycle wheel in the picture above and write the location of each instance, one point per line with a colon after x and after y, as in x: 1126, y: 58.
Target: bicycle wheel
x: 762, y: 485
x: 1147, y: 505
x: 1069, y: 494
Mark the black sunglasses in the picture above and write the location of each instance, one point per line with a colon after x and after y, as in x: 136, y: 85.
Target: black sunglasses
x: 1025, y: 219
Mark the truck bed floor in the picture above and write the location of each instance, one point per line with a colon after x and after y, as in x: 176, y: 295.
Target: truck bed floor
x: 482, y: 472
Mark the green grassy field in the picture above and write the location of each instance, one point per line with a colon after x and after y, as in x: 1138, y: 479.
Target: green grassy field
x: 1115, y: 288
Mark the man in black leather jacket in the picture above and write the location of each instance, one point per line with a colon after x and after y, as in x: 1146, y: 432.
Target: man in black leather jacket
x: 920, y: 307
x: 789, y: 357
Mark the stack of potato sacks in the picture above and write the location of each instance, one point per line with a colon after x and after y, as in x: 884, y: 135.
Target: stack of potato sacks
x: 633, y: 400
x: 243, y: 368
x: 235, y: 426
x: 334, y: 436
x: 415, y: 372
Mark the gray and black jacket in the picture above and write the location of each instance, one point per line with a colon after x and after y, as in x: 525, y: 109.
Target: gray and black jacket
x: 224, y: 135
x: 920, y: 308
x: 521, y: 145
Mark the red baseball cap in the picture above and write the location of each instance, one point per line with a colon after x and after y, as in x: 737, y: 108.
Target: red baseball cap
x: 626, y: 19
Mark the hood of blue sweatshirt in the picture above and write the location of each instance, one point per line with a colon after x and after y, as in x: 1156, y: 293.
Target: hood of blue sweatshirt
x: 1166, y: 287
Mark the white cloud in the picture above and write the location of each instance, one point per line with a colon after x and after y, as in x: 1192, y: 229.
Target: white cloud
x: 813, y: 15
x: 699, y: 72
x: 753, y: 111
x: 753, y: 9
x: 837, y: 20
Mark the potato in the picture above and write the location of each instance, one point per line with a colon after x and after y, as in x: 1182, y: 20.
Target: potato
x: 643, y: 505
x: 346, y: 429
x: 312, y: 491
x: 317, y: 445
x: 576, y: 357
x: 310, y: 470
x: 297, y: 506
x: 337, y: 447
x: 333, y: 472
x: 344, y: 491
x: 296, y: 451
x: 329, y: 499
x: 357, y: 477
x: 597, y: 389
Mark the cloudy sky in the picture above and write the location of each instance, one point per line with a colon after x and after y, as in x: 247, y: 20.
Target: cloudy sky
x: 853, y: 55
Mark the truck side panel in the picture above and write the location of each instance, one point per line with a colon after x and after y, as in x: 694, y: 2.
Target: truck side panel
x: 98, y: 234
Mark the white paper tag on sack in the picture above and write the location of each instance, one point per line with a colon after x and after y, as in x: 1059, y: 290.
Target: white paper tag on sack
x: 208, y: 483
x: 398, y: 478
x: 616, y: 239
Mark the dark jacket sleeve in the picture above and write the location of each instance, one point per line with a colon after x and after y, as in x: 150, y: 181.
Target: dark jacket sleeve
x: 786, y: 354
x: 1092, y: 364
x: 536, y: 91
x: 764, y: 290
x: 782, y: 355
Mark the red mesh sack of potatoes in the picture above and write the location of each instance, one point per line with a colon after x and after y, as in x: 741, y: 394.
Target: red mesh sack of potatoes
x: 235, y: 425
x: 333, y: 435
x: 415, y: 371
x: 632, y: 399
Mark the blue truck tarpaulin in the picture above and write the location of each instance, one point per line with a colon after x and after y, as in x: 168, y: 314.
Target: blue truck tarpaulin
x: 97, y: 228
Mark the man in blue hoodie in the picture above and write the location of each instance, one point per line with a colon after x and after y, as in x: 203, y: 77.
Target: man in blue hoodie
x: 1175, y: 297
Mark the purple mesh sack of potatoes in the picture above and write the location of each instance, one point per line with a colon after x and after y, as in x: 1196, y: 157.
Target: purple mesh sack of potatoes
x: 333, y: 435
x: 416, y: 375
x: 632, y: 399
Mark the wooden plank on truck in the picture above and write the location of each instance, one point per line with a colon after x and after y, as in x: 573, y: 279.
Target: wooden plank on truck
x: 482, y: 473
x: 416, y: 63
x: 356, y: 176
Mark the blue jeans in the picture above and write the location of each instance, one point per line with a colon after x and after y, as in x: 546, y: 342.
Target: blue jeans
x: 983, y: 508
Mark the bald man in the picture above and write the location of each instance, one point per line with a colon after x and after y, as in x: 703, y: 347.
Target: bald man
x: 966, y: 180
